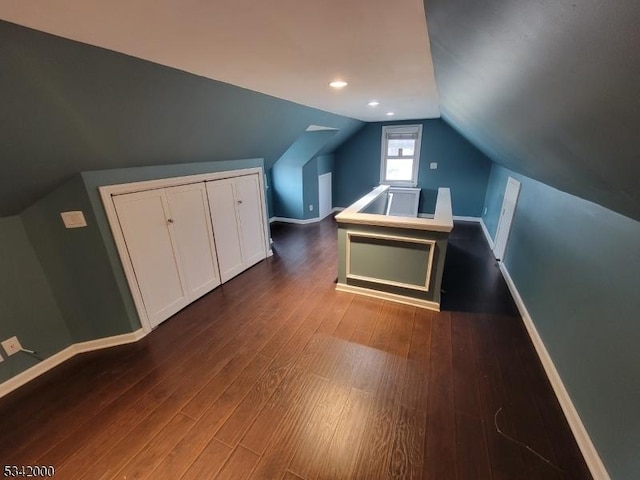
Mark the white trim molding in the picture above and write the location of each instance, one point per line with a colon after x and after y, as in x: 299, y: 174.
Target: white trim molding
x: 485, y: 230
x: 294, y: 220
x: 71, y: 351
x: 462, y: 218
x: 392, y: 297
x: 455, y: 217
x: 591, y: 456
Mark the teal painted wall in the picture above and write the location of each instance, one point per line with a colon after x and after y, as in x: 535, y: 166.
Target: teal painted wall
x: 76, y: 265
x: 576, y: 265
x: 110, y: 265
x: 28, y: 308
x: 287, y: 191
x: 75, y: 107
x: 461, y: 167
x: 269, y: 182
x: 293, y: 189
x: 325, y: 164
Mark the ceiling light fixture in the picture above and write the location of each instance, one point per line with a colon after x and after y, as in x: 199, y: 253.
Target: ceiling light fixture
x: 390, y: 114
x: 338, y: 84
x: 373, y: 103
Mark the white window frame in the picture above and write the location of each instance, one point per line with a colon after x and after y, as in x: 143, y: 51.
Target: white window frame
x: 400, y: 129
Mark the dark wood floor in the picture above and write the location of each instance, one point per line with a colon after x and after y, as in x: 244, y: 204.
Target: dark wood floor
x: 276, y: 375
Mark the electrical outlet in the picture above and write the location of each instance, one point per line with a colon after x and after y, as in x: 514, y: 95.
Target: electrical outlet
x: 311, y: 208
x: 433, y: 165
x: 11, y: 345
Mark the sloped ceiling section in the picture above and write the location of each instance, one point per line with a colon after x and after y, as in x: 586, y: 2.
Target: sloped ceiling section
x: 69, y: 107
x: 550, y: 89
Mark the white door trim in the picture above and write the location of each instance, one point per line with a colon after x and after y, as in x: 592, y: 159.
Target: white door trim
x: 507, y: 212
x: 322, y: 177
x: 107, y: 193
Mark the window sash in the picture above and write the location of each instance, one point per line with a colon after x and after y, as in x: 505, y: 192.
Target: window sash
x: 408, y: 132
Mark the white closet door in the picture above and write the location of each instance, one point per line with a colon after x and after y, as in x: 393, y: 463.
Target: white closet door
x: 194, y: 237
x: 144, y: 218
x: 222, y: 204
x: 248, y: 201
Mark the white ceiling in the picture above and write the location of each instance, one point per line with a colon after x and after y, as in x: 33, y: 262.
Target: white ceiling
x: 290, y: 49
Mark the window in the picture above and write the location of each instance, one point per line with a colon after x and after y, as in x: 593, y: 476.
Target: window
x: 400, y: 155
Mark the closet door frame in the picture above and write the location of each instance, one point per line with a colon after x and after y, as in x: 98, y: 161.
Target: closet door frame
x: 109, y: 191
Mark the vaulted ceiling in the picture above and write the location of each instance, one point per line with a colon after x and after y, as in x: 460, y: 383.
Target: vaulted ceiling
x: 290, y: 49
x: 550, y: 89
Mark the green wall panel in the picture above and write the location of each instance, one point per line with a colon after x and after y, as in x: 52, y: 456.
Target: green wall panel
x: 28, y: 308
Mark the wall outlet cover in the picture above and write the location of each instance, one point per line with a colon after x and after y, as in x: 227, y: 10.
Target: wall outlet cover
x: 433, y: 165
x: 311, y: 208
x: 11, y: 345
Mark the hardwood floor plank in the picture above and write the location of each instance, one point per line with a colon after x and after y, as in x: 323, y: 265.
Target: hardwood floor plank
x: 291, y: 391
x: 141, y: 466
x: 117, y: 457
x: 291, y: 476
x: 342, y: 453
x: 440, y: 454
x: 285, y: 439
x: 520, y: 407
x: 415, y: 389
x: 375, y: 456
x: 465, y: 386
x: 245, y: 414
x: 312, y: 448
x: 407, y: 457
x: 100, y: 425
x: 207, y: 465
x: 505, y: 457
x: 472, y: 457
x: 240, y: 465
x: 472, y: 454
x: 101, y: 440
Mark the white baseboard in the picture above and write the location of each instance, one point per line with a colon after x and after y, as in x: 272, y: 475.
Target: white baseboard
x: 591, y: 456
x: 305, y: 221
x: 107, y: 342
x: 455, y: 217
x: 64, y: 355
x: 467, y: 219
x: 294, y: 220
x: 486, y: 234
x: 392, y: 297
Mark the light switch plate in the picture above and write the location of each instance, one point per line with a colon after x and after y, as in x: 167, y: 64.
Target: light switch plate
x: 74, y: 219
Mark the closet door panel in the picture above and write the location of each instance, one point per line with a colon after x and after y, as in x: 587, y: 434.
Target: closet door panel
x: 226, y: 231
x: 194, y: 237
x: 250, y: 219
x: 144, y: 220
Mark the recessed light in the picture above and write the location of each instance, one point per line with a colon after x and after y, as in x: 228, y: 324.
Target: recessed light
x: 390, y: 114
x: 373, y: 103
x: 338, y: 84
